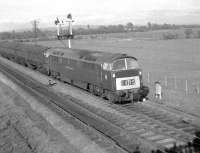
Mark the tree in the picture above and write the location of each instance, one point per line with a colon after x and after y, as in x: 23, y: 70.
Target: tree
x: 188, y: 33
x: 6, y: 35
x: 120, y: 28
x: 149, y: 25
x: 129, y: 26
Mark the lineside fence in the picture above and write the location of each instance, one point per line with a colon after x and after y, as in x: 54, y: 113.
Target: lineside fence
x: 172, y: 82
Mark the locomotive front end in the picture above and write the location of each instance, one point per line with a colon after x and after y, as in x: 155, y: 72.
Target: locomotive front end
x: 127, y: 80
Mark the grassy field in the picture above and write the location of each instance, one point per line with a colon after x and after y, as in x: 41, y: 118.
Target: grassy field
x: 178, y: 57
x: 175, y: 58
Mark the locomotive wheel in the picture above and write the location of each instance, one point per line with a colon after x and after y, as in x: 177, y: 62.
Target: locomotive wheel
x: 111, y: 97
x: 25, y: 64
x: 103, y: 95
x: 91, y: 88
x: 96, y: 91
x: 49, y: 73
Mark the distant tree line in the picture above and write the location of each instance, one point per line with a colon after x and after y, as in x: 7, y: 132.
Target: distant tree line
x: 129, y: 27
x: 120, y: 28
x: 24, y: 34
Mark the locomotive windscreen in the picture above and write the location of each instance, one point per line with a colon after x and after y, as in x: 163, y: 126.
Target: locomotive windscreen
x: 125, y: 64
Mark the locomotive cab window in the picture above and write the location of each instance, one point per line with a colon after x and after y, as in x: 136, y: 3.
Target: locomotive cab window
x: 107, y: 66
x: 131, y: 63
x: 119, y: 65
x: 125, y: 64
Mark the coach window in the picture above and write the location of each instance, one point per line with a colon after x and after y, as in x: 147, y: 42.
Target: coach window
x: 60, y: 60
x: 55, y: 59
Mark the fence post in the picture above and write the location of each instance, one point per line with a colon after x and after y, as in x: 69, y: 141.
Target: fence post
x: 165, y: 81
x: 197, y: 88
x: 148, y: 77
x: 175, y: 83
x: 158, y: 92
x: 186, y: 86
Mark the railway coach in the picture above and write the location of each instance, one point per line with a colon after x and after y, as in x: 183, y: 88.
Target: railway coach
x: 25, y: 54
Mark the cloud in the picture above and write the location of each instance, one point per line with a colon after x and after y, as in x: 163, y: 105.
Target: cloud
x: 102, y: 11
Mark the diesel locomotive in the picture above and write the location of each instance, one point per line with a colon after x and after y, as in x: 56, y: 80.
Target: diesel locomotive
x: 113, y: 76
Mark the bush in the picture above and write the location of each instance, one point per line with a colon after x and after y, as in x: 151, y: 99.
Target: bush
x: 188, y: 33
x: 198, y: 34
x: 167, y: 36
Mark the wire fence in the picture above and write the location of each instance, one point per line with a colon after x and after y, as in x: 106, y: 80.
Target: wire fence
x: 172, y: 82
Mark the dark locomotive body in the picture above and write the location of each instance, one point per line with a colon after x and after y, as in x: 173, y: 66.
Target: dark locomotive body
x: 116, y: 77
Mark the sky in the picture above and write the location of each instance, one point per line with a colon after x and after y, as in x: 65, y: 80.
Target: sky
x: 98, y: 12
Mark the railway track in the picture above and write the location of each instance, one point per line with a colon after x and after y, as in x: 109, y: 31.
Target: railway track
x: 77, y: 116
x: 118, y: 139
x: 150, y: 128
x: 167, y: 117
x: 165, y: 122
x: 134, y: 126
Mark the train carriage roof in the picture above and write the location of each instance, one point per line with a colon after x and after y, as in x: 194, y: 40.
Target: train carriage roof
x: 88, y: 55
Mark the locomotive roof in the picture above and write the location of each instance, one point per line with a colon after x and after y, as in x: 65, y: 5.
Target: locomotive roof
x: 88, y: 55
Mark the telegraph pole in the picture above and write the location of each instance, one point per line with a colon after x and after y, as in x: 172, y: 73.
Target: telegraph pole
x: 35, y: 29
